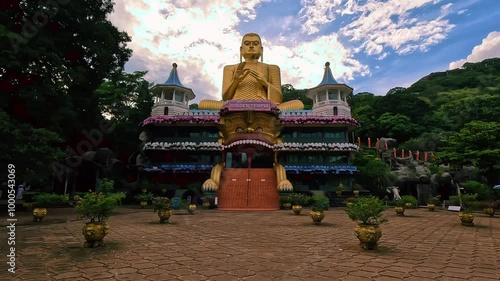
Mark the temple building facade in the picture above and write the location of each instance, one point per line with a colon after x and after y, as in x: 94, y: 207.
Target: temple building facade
x: 249, y: 151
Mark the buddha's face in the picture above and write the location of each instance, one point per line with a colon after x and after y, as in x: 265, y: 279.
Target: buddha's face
x: 251, y: 47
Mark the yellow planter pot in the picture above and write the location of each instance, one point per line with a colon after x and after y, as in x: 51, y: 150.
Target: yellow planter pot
x: 317, y: 216
x: 296, y: 209
x: 489, y: 211
x: 466, y: 218
x: 39, y: 214
x: 206, y: 205
x: 368, y: 235
x: 143, y: 204
x: 400, y: 210
x: 408, y: 205
x: 164, y: 215
x: 94, y: 232
x: 431, y: 207
x: 191, y: 208
x: 287, y: 206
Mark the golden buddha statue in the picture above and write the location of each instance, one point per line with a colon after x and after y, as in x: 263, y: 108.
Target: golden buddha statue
x: 251, y: 79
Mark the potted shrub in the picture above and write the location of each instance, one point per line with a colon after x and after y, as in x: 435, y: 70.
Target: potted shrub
x: 432, y: 202
x: 490, y: 208
x: 367, y: 212
x: 319, y: 204
x: 297, y: 200
x: 44, y: 200
x: 339, y: 189
x: 410, y: 201
x: 206, y: 203
x: 164, y: 207
x: 97, y: 208
x: 465, y: 215
x: 400, y: 207
x: 285, y: 201
x: 143, y: 198
x: 191, y: 208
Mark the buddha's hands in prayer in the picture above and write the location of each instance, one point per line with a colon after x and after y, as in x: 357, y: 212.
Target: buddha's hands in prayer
x: 239, y: 75
x: 260, y: 77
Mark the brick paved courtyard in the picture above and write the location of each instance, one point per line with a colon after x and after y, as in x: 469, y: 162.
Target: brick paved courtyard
x: 275, y: 245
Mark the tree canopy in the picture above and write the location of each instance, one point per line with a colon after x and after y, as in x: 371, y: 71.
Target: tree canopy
x: 55, y: 54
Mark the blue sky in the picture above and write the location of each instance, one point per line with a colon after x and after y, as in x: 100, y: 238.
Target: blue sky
x: 372, y: 45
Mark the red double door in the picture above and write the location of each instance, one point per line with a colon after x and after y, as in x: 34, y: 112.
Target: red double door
x: 248, y: 188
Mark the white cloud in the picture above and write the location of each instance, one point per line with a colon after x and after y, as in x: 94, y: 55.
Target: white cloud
x: 201, y: 36
x: 461, y: 11
x: 379, y: 25
x: 489, y: 48
x: 317, y: 13
x: 302, y: 65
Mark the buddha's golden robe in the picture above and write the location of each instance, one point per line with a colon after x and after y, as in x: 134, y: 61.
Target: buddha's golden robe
x: 250, y: 89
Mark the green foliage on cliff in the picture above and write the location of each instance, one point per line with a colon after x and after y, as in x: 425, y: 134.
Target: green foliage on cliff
x: 453, y: 114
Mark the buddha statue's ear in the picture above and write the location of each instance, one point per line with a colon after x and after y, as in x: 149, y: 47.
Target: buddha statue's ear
x: 262, y: 55
x: 240, y: 55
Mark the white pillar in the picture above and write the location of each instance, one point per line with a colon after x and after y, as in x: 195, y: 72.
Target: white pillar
x: 162, y: 96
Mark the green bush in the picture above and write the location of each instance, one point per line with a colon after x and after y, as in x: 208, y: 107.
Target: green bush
x: 299, y: 199
x: 105, y: 186
x: 466, y: 198
x: 144, y: 197
x: 367, y: 210
x: 467, y: 201
x: 392, y: 203
x: 473, y: 187
x: 478, y: 205
x: 285, y: 199
x: 162, y: 203
x: 319, y: 203
x: 45, y: 200
x: 98, y: 206
x: 409, y: 199
x: 400, y: 203
x: 29, y: 196
x: 434, y: 200
x: 455, y: 200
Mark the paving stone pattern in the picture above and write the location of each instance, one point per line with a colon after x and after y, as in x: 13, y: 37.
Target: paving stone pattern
x: 266, y: 245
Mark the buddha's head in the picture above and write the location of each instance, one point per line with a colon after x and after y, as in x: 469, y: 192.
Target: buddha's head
x: 251, y: 47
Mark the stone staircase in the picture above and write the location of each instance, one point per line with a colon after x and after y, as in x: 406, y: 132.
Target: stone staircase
x: 248, y: 189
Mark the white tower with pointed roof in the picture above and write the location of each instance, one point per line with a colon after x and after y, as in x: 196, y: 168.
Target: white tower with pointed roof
x: 330, y: 97
x: 171, y: 97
